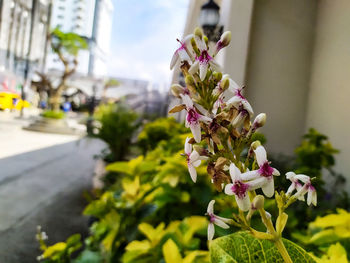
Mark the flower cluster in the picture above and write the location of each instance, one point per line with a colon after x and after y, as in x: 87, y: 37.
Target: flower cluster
x: 219, y: 117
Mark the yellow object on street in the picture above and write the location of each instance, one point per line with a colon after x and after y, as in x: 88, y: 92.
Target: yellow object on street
x: 9, y: 100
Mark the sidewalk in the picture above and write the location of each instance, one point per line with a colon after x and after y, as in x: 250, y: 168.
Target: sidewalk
x: 42, y: 178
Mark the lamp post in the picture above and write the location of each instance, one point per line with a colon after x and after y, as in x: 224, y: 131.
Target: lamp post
x: 209, y: 20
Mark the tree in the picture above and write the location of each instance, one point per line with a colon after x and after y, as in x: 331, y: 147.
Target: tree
x: 67, y: 47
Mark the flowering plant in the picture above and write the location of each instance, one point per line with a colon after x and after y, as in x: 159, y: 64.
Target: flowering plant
x: 219, y: 117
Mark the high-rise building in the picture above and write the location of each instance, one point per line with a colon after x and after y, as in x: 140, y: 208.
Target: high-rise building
x: 23, y: 42
x: 92, y: 20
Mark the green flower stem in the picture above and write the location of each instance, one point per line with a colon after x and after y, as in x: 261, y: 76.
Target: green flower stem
x: 282, y: 249
x: 278, y: 239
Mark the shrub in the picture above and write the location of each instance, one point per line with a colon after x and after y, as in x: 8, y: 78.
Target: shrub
x: 53, y: 114
x: 117, y: 125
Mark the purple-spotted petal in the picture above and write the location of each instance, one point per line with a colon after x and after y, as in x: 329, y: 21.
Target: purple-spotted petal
x: 302, y: 177
x: 196, y: 131
x: 196, y: 163
x: 193, y: 172
x: 184, y: 55
x: 187, y: 101
x: 228, y: 189
x: 194, y: 68
x: 211, y: 231
x: 243, y: 203
x: 269, y: 188
x: 291, y: 188
x: 203, y: 68
x: 234, y: 101
x: 205, y: 119
x: 246, y: 105
x: 235, y: 173
x: 275, y: 172
x: 210, y: 209
x: 250, y: 175
x: 221, y: 223
x: 290, y: 176
x: 214, y: 65
x: 257, y: 183
x: 260, y: 154
x: 188, y: 146
x: 174, y: 59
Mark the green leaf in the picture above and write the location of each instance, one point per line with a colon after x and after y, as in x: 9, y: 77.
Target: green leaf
x: 243, y: 247
x: 88, y: 256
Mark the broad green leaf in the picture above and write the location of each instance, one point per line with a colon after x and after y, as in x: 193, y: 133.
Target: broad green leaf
x: 54, y: 249
x: 88, y: 256
x: 131, y: 187
x: 335, y: 253
x: 153, y: 234
x: 119, y: 167
x: 201, y: 256
x: 242, y: 247
x: 138, y: 245
x: 171, y: 252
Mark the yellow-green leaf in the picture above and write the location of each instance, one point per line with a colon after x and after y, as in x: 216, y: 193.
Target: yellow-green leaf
x: 171, y: 252
x: 56, y: 248
x: 243, y: 247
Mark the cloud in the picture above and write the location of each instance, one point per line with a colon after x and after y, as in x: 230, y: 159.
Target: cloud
x: 144, y: 45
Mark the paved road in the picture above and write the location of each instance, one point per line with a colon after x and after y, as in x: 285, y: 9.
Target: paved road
x: 43, y: 187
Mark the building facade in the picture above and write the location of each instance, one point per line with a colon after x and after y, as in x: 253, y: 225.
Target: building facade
x: 293, y: 56
x: 92, y: 20
x: 23, y: 43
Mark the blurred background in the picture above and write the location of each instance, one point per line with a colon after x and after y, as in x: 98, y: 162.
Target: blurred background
x: 84, y: 127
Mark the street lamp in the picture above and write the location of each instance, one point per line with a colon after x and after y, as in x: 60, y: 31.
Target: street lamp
x: 209, y: 20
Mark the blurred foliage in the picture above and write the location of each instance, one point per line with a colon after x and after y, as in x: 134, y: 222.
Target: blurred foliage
x: 324, y: 232
x: 67, y: 43
x: 60, y: 252
x: 314, y: 153
x: 116, y: 125
x: 315, y: 156
x: 54, y: 114
x: 160, y: 130
x: 153, y: 211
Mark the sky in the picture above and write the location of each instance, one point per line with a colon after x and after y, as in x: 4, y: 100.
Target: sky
x: 144, y: 36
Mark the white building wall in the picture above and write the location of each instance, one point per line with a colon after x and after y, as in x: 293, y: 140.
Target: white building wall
x: 328, y: 104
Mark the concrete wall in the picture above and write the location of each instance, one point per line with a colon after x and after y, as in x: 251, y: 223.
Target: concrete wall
x: 278, y: 68
x: 328, y: 105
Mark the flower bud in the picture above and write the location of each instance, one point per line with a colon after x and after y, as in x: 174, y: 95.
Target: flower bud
x: 217, y: 76
x: 255, y: 145
x: 223, y: 42
x: 258, y: 202
x: 195, y: 47
x: 225, y: 38
x: 259, y: 121
x: 206, y: 40
x: 176, y: 90
x: 225, y: 83
x: 198, y: 32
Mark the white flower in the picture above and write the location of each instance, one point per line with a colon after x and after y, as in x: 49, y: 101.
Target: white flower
x: 238, y: 188
x: 265, y: 172
x: 238, y: 101
x: 202, y: 61
x: 193, y: 118
x: 214, y: 219
x: 193, y: 160
x: 301, y: 191
x: 182, y: 52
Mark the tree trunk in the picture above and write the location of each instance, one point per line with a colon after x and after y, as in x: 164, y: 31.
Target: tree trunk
x: 55, y: 100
